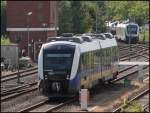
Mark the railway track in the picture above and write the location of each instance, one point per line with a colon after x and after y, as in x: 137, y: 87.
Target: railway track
x: 15, y: 73
x: 133, y: 55
x: 8, y: 94
x: 13, y: 94
x: 137, y: 51
x: 128, y: 74
x: 45, y: 106
x: 21, y: 90
x: 16, y: 89
x: 146, y: 108
x: 120, y: 78
x: 137, y: 97
x: 123, y: 48
x: 22, y: 74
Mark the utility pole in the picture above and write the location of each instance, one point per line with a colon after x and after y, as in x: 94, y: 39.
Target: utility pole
x: 44, y: 25
x: 56, y: 17
x: 129, y: 46
x: 18, y: 74
x: 28, y: 14
x: 18, y: 39
x: 96, y: 18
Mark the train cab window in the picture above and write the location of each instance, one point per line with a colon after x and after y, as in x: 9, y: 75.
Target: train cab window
x: 132, y: 29
x: 58, y: 62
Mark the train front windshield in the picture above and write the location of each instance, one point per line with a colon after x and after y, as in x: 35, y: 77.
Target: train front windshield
x: 132, y: 29
x: 58, y: 61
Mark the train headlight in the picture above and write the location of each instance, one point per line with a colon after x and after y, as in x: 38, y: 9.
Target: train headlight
x: 56, y: 86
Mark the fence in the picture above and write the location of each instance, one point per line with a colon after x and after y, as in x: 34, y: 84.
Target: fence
x: 10, y: 54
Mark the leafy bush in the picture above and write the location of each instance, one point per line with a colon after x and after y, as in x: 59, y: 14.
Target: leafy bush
x: 144, y: 34
x: 25, y: 62
x: 132, y: 107
x: 5, y: 40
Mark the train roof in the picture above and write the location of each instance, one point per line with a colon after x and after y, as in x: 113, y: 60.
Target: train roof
x: 85, y: 43
x: 125, y: 24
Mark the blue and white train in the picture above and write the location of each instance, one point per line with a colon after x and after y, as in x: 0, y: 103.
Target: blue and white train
x: 68, y: 64
x: 128, y: 32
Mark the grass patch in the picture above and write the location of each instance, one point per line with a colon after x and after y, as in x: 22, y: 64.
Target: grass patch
x: 144, y: 34
x: 132, y: 107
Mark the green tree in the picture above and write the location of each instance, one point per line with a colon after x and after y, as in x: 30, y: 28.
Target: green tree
x: 65, y: 22
x: 77, y: 17
x: 137, y: 11
x: 3, y: 17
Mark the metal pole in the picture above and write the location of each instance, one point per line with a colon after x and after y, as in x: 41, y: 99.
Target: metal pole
x: 129, y: 47
x: 96, y: 18
x: 144, y: 34
x: 45, y: 32
x: 107, y: 27
x: 137, y: 51
x: 28, y: 35
x: 34, y: 52
x: 56, y: 17
x: 29, y: 13
x: 18, y: 74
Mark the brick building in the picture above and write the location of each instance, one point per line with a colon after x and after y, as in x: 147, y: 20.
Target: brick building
x: 32, y: 22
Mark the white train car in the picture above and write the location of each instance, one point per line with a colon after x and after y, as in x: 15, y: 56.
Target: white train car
x: 67, y: 64
x: 127, y: 32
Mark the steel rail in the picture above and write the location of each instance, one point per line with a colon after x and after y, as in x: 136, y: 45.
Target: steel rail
x: 18, y: 94
x: 13, y: 90
x: 122, y: 77
x: 133, y: 99
x: 22, y: 71
x: 35, y: 106
x: 14, y: 77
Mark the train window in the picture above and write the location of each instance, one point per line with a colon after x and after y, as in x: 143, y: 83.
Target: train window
x: 84, y: 61
x: 90, y: 61
x: 132, y: 29
x: 58, y: 61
